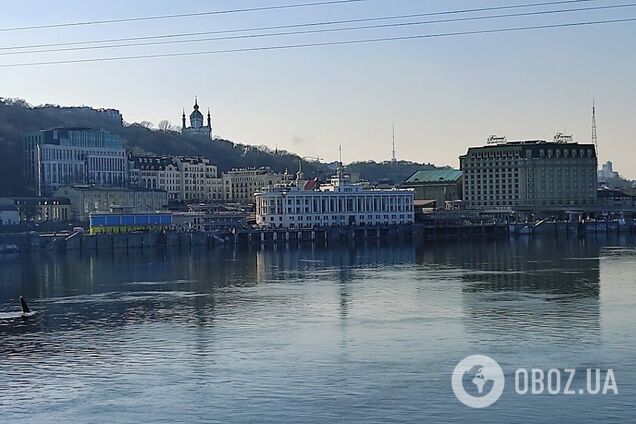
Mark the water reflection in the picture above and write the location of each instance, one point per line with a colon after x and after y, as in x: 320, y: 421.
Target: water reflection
x: 515, y: 289
x: 516, y: 285
x: 124, y: 287
x: 294, y: 332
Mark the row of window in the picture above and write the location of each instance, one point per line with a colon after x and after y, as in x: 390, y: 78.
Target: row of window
x: 341, y: 217
x: 334, y: 224
x: 551, y: 202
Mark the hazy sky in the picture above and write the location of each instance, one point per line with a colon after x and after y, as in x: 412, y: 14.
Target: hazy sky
x: 444, y: 94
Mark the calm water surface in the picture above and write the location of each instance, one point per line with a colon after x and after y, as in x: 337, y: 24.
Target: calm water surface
x: 359, y: 334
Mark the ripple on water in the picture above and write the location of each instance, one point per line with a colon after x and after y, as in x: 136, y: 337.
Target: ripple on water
x: 362, y: 334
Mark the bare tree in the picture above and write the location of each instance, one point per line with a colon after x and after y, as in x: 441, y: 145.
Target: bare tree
x: 165, y: 126
x: 146, y: 124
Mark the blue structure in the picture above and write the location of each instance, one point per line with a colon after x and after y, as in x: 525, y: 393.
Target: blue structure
x: 126, y: 222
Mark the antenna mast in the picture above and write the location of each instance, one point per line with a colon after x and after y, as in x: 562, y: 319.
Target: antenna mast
x: 393, y: 159
x: 340, y: 168
x: 594, y: 135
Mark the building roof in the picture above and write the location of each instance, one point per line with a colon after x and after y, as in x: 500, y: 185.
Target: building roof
x: 195, y: 111
x: 152, y: 162
x: 436, y: 176
x: 73, y: 129
x: 42, y: 200
x: 535, y: 146
x: 424, y: 203
x: 86, y: 187
x: 607, y: 192
x: 312, y: 184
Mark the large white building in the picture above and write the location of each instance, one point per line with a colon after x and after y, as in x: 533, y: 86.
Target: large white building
x: 338, y: 203
x: 184, y: 178
x: 63, y: 156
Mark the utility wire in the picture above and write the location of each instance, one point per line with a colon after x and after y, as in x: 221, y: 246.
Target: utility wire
x: 321, y: 44
x: 181, y: 15
x: 324, y: 30
x: 310, y: 24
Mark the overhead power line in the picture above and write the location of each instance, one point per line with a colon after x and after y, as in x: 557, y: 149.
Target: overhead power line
x: 321, y: 44
x: 310, y: 24
x: 325, y: 30
x: 181, y: 15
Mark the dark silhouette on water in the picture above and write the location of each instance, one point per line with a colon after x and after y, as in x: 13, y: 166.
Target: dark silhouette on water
x: 25, y: 308
x: 24, y: 314
x: 26, y: 311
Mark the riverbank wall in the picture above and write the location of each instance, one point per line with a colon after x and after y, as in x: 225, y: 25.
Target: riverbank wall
x: 32, y: 242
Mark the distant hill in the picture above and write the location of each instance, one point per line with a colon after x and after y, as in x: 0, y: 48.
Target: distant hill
x: 18, y: 117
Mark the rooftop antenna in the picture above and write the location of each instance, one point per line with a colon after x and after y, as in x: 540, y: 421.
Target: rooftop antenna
x: 594, y: 135
x: 393, y: 151
x: 339, y: 168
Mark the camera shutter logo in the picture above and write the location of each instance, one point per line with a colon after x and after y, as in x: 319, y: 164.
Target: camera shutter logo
x: 481, y: 373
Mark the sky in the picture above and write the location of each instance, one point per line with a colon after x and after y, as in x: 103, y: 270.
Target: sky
x: 444, y: 94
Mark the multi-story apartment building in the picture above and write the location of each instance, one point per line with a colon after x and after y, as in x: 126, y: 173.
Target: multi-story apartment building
x: 199, y: 180
x: 155, y: 172
x: 240, y: 185
x: 338, y: 203
x: 532, y: 175
x: 85, y: 200
x: 63, y: 156
x: 184, y: 178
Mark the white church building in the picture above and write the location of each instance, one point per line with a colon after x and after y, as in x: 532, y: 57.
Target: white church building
x: 196, y: 128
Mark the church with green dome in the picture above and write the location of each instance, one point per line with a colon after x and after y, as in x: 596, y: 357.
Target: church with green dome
x: 196, y: 128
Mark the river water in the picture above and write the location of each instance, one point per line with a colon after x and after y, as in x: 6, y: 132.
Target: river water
x: 362, y: 334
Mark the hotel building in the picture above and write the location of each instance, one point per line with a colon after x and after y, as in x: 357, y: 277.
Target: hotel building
x: 532, y: 175
x: 338, y: 203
